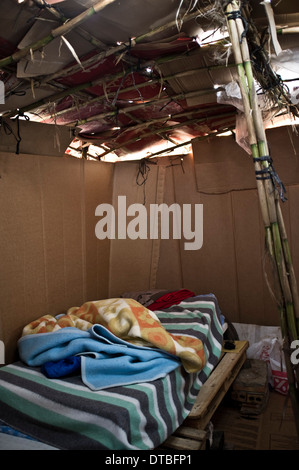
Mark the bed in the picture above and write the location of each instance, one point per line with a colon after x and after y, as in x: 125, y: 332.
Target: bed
x: 132, y: 392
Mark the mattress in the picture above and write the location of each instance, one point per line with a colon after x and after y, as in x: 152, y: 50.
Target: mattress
x: 64, y: 413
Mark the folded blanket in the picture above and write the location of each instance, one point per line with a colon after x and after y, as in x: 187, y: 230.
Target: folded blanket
x: 66, y: 414
x: 171, y: 298
x: 128, y: 320
x: 106, y: 361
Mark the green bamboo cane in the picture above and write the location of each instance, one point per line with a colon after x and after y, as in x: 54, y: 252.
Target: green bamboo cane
x: 137, y: 86
x: 288, y: 324
x: 77, y: 21
x: 60, y: 17
x: 275, y: 228
x: 102, y: 80
x: 263, y: 152
x: 59, y: 31
x: 162, y: 130
x: 288, y: 259
x: 136, y: 107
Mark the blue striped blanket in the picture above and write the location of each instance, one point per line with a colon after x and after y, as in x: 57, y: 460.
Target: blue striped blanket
x: 67, y: 414
x: 106, y: 360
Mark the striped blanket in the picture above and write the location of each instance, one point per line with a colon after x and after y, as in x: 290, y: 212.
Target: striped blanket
x: 66, y: 414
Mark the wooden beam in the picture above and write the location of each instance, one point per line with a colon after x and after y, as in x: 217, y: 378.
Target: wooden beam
x: 138, y: 86
x: 163, y: 130
x: 57, y: 32
x: 82, y: 32
x: 179, y: 96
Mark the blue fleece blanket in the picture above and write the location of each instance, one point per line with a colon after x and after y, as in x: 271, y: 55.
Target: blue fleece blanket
x: 106, y: 360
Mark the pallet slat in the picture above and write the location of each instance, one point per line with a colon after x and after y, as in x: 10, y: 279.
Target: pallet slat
x: 191, y: 435
x: 181, y: 443
x: 217, y: 385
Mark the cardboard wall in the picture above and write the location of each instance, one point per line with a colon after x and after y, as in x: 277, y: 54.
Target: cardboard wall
x: 50, y: 257
x: 231, y: 261
x: 29, y: 137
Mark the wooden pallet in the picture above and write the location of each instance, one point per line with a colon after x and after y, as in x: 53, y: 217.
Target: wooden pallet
x: 191, y: 435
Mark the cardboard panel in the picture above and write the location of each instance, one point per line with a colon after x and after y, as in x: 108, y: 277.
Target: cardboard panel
x: 52, y: 140
x: 52, y: 190
x: 249, y: 252
x: 47, y: 234
x: 284, y: 151
x: 293, y: 194
x: 169, y: 272
x: 61, y: 187
x: 73, y: 228
x: 221, y: 165
x: 22, y: 283
x: 131, y: 260
x: 211, y: 268
x: 98, y: 186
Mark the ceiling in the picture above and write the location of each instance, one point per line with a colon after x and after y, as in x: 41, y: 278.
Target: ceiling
x: 140, y: 79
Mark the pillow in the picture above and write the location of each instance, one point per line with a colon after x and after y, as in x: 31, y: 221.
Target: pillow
x: 145, y: 297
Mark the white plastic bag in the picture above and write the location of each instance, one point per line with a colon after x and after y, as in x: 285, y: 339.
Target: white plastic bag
x: 265, y: 343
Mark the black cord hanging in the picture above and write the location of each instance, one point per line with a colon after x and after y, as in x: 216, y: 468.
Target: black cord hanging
x: 142, y: 176
x: 19, y: 138
x: 270, y: 173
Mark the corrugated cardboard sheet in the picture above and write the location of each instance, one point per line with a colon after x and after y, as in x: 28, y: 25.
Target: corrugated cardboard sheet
x: 50, y: 257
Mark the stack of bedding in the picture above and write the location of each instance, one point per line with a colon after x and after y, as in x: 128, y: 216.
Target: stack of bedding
x: 112, y: 374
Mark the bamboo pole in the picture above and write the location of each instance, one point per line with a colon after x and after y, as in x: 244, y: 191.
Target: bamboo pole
x: 272, y: 204
x: 180, y: 96
x: 163, y: 130
x: 102, y: 80
x: 82, y: 32
x: 57, y: 32
x: 105, y: 79
x: 77, y: 21
x: 183, y: 144
x: 117, y: 50
x: 200, y: 116
x: 275, y: 233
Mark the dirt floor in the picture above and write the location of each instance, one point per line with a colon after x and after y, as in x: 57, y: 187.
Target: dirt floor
x: 273, y: 429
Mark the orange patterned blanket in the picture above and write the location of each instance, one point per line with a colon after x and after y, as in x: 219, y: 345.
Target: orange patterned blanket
x: 130, y: 321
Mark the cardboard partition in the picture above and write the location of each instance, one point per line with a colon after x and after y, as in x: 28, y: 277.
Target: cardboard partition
x: 221, y: 165
x: 35, y: 138
x: 231, y: 263
x: 51, y: 259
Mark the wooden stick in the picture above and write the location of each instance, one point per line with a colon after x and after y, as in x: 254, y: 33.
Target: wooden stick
x: 200, y: 138
x: 162, y: 130
x: 59, y: 31
x: 180, y: 96
x: 82, y: 32
x: 288, y: 258
x: 273, y: 203
x: 277, y: 247
x: 137, y: 86
x: 170, y: 149
x: 78, y: 20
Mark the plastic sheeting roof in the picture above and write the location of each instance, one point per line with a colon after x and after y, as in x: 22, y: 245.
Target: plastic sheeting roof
x: 134, y: 80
